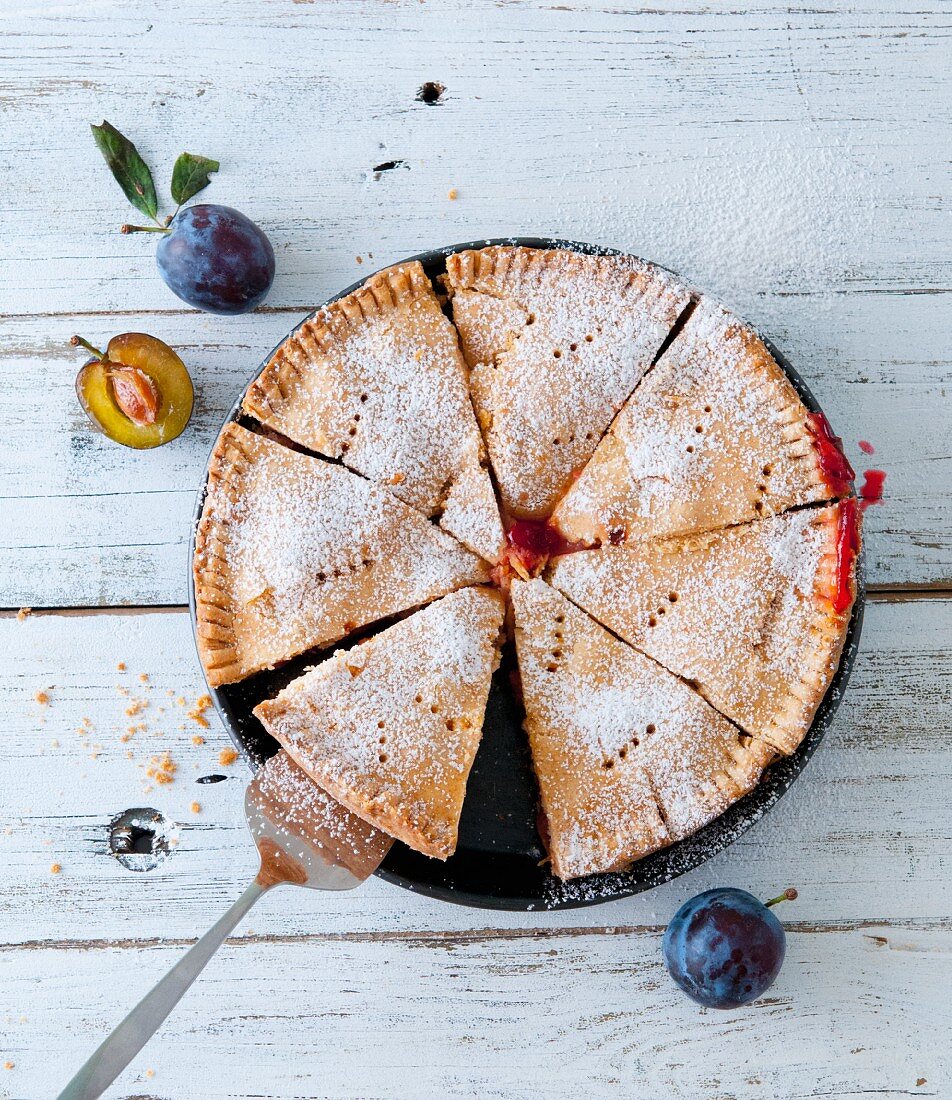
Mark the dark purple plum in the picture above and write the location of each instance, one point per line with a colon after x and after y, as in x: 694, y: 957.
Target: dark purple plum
x: 216, y: 259
x: 724, y: 948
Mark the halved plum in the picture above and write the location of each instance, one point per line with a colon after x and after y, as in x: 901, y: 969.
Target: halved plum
x: 138, y: 392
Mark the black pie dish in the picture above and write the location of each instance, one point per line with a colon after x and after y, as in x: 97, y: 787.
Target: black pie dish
x: 499, y: 861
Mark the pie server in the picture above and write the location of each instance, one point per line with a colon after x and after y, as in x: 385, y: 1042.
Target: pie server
x: 305, y: 838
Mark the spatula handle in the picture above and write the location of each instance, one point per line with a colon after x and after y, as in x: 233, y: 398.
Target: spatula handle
x: 119, y: 1048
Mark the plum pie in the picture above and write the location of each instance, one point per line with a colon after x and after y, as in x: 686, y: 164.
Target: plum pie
x: 573, y: 455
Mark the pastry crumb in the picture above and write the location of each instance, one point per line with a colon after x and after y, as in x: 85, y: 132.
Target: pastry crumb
x: 24, y: 613
x: 197, y: 739
x: 144, y: 677
x: 137, y: 706
x: 197, y: 713
x: 226, y: 757
x: 162, y: 769
x: 397, y: 478
x: 196, y: 807
x: 452, y: 194
x: 55, y: 868
x: 43, y: 698
x: 8, y: 1065
x: 121, y: 667
x: 150, y: 1073
x: 359, y: 259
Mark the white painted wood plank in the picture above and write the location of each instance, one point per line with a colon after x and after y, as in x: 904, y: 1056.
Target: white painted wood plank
x: 84, y: 521
x: 863, y: 834
x: 855, y: 1012
x: 775, y: 148
x: 817, y: 205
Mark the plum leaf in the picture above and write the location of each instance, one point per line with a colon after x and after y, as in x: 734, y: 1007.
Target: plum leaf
x: 130, y: 170
x: 190, y: 175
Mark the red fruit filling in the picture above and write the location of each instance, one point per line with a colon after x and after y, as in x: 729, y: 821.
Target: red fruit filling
x: 847, y: 547
x: 533, y: 541
x: 833, y: 463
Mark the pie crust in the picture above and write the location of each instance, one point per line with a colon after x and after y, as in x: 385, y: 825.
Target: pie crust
x: 752, y: 615
x: 556, y: 341
x: 628, y: 757
x: 294, y: 552
x: 390, y: 727
x: 643, y: 442
x: 376, y: 379
x: 715, y: 435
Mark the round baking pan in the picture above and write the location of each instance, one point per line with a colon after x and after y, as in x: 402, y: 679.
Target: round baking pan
x: 499, y: 862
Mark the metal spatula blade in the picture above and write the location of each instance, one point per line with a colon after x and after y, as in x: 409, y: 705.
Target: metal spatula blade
x: 304, y: 837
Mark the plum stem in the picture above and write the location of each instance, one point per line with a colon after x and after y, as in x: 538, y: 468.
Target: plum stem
x: 788, y: 895
x: 79, y: 342
x: 144, y: 229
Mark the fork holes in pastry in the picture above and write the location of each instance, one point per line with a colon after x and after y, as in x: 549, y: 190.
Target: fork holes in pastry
x: 363, y: 398
x: 381, y: 724
x: 661, y: 610
x: 707, y: 408
x: 556, y: 353
x: 623, y: 752
x: 573, y: 347
x: 767, y: 470
x: 699, y: 428
x: 434, y: 709
x: 450, y: 724
x: 530, y: 319
x: 382, y: 740
x: 560, y: 618
x: 690, y: 450
x: 635, y: 742
x: 418, y: 699
x: 345, y: 447
x: 650, y: 728
x: 608, y: 764
x: 352, y: 430
x: 552, y: 668
x: 557, y: 442
x: 652, y: 621
x: 557, y: 653
x: 758, y: 505
x: 589, y: 338
x: 383, y: 758
x: 672, y: 597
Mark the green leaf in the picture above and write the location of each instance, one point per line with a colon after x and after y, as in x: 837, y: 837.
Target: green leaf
x: 131, y: 171
x: 190, y: 175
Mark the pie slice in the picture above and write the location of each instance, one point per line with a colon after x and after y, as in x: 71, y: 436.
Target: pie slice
x: 556, y: 341
x: 390, y: 728
x: 377, y: 380
x: 754, y: 616
x: 715, y: 435
x: 294, y: 552
x: 628, y: 757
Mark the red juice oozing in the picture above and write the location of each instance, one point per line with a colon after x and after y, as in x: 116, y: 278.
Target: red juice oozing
x: 872, y: 489
x: 534, y: 541
x: 833, y: 463
x: 866, y: 447
x: 847, y: 547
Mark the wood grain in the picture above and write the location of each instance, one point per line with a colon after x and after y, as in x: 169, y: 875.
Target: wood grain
x: 790, y: 159
x: 515, y: 1018
x: 861, y: 833
x: 84, y: 521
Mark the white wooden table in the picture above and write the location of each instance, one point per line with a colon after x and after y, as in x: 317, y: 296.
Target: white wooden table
x: 793, y: 160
